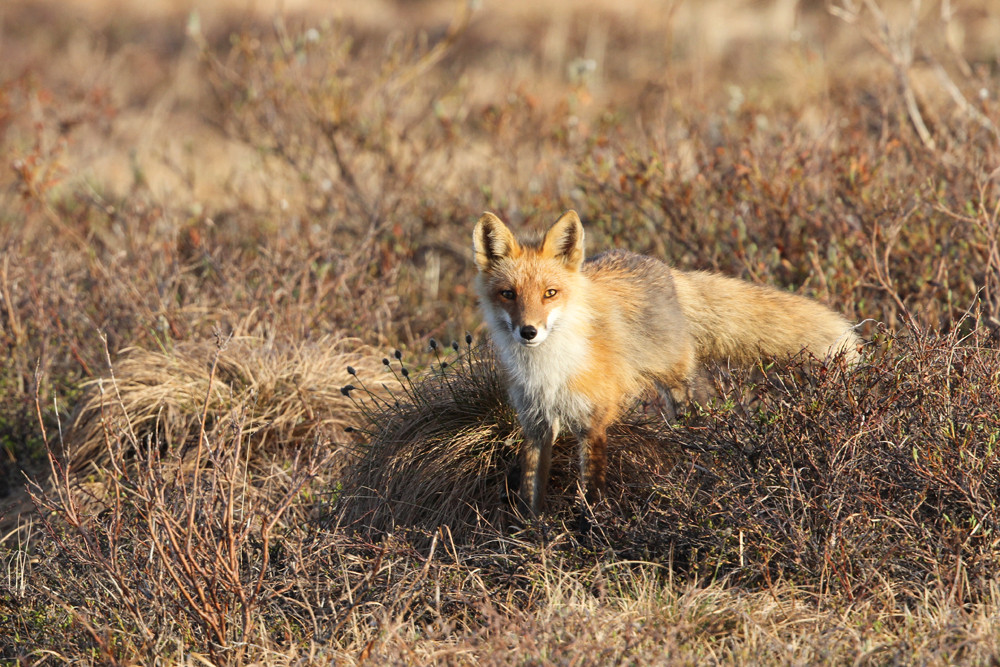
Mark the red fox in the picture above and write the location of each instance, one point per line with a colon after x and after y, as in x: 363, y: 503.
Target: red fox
x: 578, y: 340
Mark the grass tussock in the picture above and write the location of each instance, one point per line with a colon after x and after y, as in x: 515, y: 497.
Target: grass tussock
x: 284, y: 396
x: 437, y: 449
x: 198, y: 499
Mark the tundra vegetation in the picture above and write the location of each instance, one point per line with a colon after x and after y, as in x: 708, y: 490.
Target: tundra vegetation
x: 247, y: 411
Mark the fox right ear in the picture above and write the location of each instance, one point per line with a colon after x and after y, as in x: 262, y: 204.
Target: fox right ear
x: 492, y: 241
x: 564, y: 240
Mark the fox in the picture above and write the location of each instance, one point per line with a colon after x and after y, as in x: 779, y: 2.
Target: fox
x: 579, y: 339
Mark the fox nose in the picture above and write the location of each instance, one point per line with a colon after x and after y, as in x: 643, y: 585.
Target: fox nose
x: 528, y: 332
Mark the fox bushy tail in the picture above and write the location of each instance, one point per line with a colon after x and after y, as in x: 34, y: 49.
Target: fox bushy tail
x: 740, y: 321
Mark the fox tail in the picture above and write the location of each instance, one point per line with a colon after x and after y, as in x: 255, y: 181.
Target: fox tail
x: 740, y: 321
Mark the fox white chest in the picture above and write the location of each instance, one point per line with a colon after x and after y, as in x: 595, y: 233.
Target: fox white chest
x: 540, y: 380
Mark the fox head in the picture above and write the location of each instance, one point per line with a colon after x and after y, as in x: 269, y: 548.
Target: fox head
x: 524, y: 289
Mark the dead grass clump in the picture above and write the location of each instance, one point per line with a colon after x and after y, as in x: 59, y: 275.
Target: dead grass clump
x: 285, y: 396
x: 437, y: 448
x: 443, y: 452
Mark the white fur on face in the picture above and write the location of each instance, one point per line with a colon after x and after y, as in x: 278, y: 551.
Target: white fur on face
x: 515, y: 331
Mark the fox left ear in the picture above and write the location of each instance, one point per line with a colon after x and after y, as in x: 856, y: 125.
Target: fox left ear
x: 564, y: 240
x: 492, y: 241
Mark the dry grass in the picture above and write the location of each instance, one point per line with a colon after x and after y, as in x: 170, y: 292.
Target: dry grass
x: 205, y: 218
x: 285, y: 396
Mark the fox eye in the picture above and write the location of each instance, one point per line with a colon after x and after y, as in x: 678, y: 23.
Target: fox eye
x: 549, y: 293
x: 508, y: 294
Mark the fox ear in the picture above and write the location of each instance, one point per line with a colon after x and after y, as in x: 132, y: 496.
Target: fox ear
x: 564, y: 240
x: 492, y: 241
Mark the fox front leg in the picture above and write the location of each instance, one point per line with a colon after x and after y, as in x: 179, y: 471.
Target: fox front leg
x: 593, y: 447
x: 536, y: 459
x: 593, y: 451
